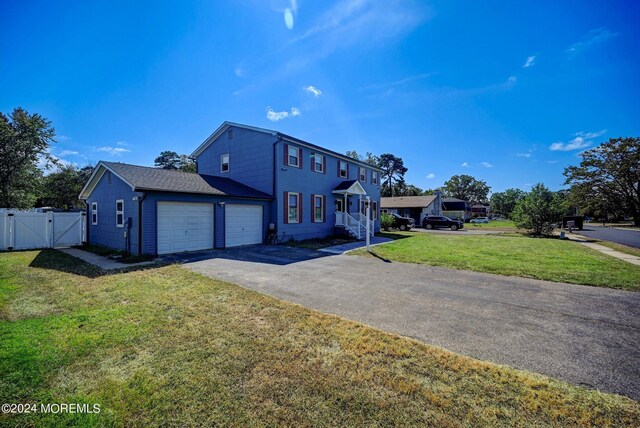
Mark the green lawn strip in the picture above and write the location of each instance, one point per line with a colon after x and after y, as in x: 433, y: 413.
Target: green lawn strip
x: 539, y: 258
x: 621, y: 248
x: 498, y: 225
x: 166, y: 346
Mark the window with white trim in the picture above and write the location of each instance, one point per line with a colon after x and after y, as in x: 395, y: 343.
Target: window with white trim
x: 120, y: 213
x: 293, y: 154
x: 362, y: 172
x: 344, y: 169
x: 318, y: 163
x: 318, y: 208
x: 94, y: 213
x: 374, y: 210
x: 224, y: 163
x: 374, y: 177
x: 292, y: 208
x: 340, y: 205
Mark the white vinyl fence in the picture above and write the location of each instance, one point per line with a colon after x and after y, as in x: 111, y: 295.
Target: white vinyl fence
x: 31, y: 230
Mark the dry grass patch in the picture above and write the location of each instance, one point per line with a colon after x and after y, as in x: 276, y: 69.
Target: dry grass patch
x: 166, y: 346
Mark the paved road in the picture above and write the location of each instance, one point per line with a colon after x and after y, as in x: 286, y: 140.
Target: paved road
x: 585, y: 335
x: 630, y: 237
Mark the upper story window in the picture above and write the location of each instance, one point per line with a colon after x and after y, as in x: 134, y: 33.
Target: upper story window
x: 318, y: 163
x: 94, y: 213
x: 293, y: 156
x: 374, y: 177
x: 224, y: 163
x: 362, y: 174
x: 343, y: 169
x: 120, y: 213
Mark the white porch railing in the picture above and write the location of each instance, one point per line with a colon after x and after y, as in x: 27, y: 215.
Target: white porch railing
x: 356, y: 224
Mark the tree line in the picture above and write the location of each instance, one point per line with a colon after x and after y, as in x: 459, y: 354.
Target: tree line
x: 606, y: 183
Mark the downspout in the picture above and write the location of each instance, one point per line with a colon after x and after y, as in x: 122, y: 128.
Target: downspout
x: 140, y: 199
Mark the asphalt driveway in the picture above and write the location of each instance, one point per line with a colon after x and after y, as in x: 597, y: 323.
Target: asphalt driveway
x: 630, y: 237
x: 585, y: 335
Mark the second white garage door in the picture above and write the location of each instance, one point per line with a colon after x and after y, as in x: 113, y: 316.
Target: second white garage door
x: 243, y: 225
x: 184, y: 226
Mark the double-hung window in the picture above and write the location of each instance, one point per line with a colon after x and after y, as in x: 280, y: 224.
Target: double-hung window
x: 318, y: 208
x: 374, y: 177
x: 343, y: 169
x: 224, y: 163
x: 294, y: 156
x: 120, y: 213
x: 94, y: 213
x: 293, y: 207
x: 362, y: 174
x: 318, y: 163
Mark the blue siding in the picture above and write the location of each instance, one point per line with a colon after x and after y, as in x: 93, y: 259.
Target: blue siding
x: 304, y: 180
x: 250, y: 158
x: 150, y: 215
x: 106, y: 233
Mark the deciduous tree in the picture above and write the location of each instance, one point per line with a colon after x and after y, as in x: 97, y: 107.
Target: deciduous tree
x: 608, y: 176
x: 504, y: 202
x: 172, y: 160
x: 539, y: 211
x: 467, y: 188
x: 24, y: 141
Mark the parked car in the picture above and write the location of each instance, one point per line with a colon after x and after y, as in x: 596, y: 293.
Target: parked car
x: 435, y: 221
x: 402, y: 223
x: 479, y: 220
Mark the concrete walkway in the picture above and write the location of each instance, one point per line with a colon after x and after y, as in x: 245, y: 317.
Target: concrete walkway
x: 605, y: 250
x: 343, y: 248
x: 102, y: 262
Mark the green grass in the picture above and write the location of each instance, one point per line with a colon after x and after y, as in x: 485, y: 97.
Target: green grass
x: 166, y: 346
x: 539, y: 258
x: 499, y: 225
x: 619, y: 247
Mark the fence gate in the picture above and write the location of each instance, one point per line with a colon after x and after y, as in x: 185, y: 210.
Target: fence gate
x: 31, y: 230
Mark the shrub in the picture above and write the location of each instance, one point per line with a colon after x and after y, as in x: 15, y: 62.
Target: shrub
x: 539, y: 211
x: 386, y: 220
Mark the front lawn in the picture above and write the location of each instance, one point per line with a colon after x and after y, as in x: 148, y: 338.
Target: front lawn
x: 513, y: 255
x: 498, y: 225
x: 166, y: 346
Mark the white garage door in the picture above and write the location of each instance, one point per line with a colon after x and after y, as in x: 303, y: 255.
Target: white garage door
x: 243, y: 225
x: 184, y: 227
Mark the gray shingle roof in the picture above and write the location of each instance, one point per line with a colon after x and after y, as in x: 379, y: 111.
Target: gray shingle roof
x: 407, y: 201
x: 144, y: 178
x: 345, y: 185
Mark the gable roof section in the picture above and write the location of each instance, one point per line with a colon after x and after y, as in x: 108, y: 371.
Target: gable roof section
x: 352, y: 187
x: 407, y: 202
x: 143, y: 178
x: 226, y: 125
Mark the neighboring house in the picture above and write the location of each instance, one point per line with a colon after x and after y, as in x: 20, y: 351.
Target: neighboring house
x: 416, y: 207
x: 456, y: 208
x: 247, y: 178
x: 480, y: 211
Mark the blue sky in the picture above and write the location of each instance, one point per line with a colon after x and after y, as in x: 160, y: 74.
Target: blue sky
x: 509, y: 92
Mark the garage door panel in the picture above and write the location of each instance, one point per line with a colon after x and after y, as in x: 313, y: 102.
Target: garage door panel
x: 243, y: 225
x: 184, y: 227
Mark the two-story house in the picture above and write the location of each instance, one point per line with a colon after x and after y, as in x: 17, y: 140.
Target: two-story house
x: 249, y: 180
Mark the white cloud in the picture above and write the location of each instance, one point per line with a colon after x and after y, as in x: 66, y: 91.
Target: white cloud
x: 67, y: 153
x: 486, y: 164
x: 512, y: 80
x: 531, y: 61
x: 312, y: 90
x: 593, y: 37
x: 523, y: 155
x: 122, y: 143
x: 288, y: 18
x: 431, y: 175
x: 238, y: 71
x: 582, y: 140
x: 113, y: 151
x: 465, y: 164
x: 276, y: 116
x: 590, y: 135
